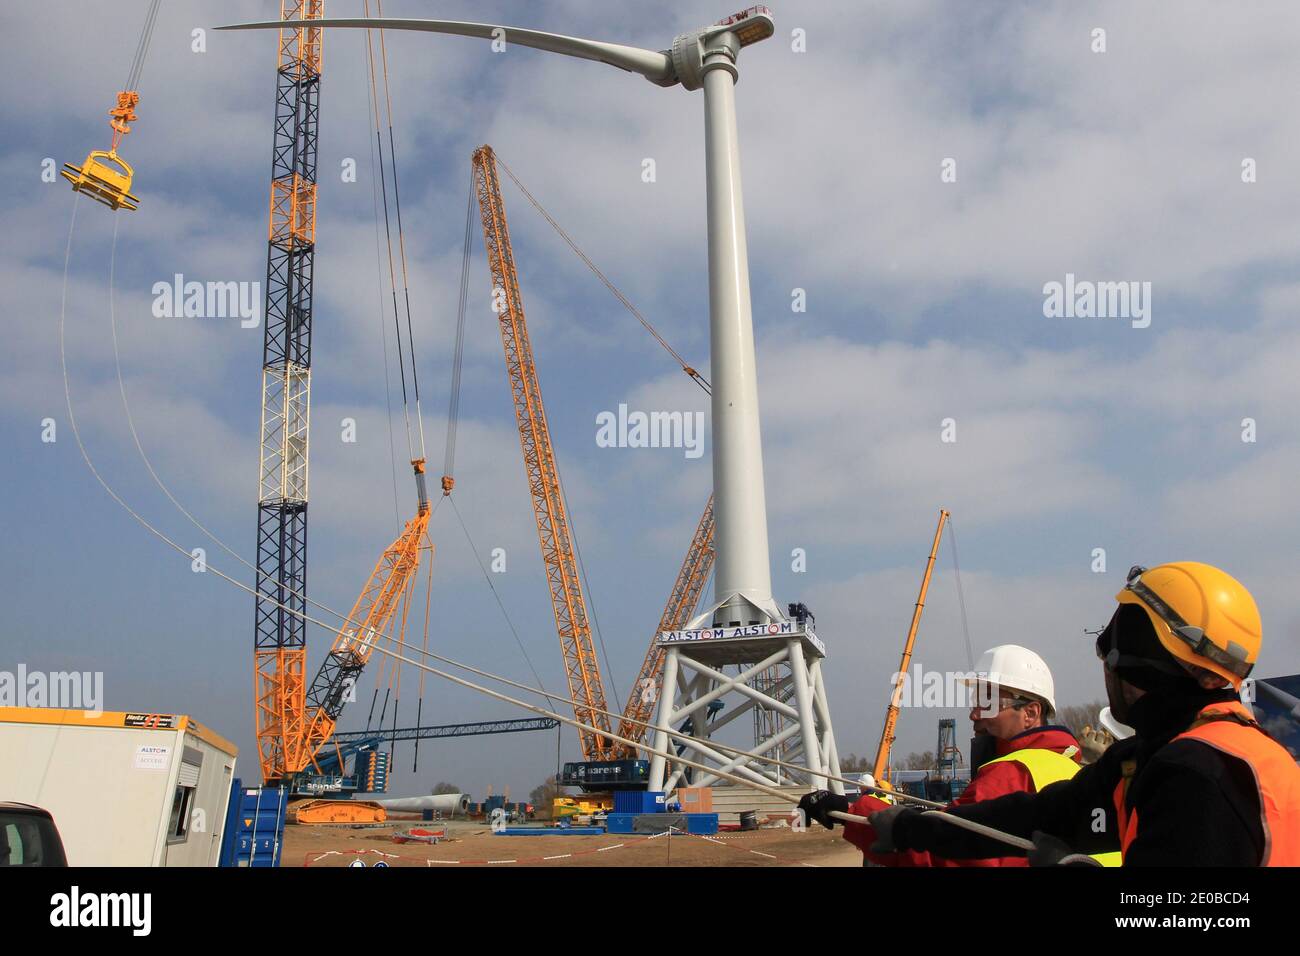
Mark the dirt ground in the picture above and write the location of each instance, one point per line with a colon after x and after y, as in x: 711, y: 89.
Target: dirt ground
x: 473, y: 844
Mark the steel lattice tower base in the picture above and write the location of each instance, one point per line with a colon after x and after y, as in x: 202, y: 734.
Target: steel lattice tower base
x: 776, y: 679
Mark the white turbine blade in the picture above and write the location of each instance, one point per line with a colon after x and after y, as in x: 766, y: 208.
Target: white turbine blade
x: 656, y: 67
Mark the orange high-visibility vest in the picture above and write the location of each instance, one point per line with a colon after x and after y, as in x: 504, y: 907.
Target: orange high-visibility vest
x: 1230, y: 728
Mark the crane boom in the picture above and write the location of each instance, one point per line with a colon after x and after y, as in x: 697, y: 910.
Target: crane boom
x: 891, y: 716
x: 582, y: 670
x: 279, y: 617
x: 368, y: 623
x: 682, y: 600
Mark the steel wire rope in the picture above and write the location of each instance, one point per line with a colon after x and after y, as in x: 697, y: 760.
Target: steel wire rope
x: 453, y: 403
x: 961, y: 596
x: 401, y: 235
x: 142, y: 46
x: 383, y: 323
x: 990, y: 832
x: 492, y: 587
x: 392, y: 277
x: 686, y: 367
x: 676, y: 734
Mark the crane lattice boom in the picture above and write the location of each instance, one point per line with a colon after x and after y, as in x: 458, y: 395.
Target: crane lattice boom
x: 571, y: 621
x: 279, y: 622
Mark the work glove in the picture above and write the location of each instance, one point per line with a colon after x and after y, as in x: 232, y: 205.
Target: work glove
x: 1094, y: 742
x: 882, y: 821
x: 1050, y: 851
x: 818, y: 805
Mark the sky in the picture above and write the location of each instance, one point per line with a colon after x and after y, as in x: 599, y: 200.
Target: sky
x: 1163, y: 160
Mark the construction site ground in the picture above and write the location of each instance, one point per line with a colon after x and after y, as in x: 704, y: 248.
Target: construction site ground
x: 469, y: 843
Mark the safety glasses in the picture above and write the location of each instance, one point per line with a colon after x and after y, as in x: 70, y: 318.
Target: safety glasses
x: 1004, y: 701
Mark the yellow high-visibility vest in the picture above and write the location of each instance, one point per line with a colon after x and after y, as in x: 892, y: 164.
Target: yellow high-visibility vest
x: 1047, y: 767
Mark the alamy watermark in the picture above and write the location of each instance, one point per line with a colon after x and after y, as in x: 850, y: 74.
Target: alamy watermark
x: 1085, y: 299
x: 179, y: 299
x: 636, y: 429
x: 70, y: 690
x: 74, y: 908
x: 947, y: 689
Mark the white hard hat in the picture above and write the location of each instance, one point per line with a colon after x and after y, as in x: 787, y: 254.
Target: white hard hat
x: 1114, y: 727
x: 867, y: 780
x: 1017, y: 668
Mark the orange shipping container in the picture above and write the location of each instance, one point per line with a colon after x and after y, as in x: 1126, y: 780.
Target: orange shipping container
x: 696, y: 799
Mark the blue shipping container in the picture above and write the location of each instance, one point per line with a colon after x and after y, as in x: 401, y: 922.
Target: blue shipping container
x: 254, y: 826
x: 638, y: 801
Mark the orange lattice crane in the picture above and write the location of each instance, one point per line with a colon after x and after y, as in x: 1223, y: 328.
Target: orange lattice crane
x: 567, y: 601
x: 279, y: 617
x: 295, y: 719
x: 298, y: 726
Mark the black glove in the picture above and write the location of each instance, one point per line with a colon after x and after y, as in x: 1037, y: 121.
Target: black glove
x: 819, y: 804
x: 882, y: 821
x: 1049, y: 851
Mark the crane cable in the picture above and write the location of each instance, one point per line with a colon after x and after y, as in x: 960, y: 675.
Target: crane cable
x: 385, y: 172
x: 695, y: 375
x: 972, y: 826
x: 142, y: 46
x: 406, y: 288
x: 401, y: 234
x: 388, y: 234
x: 557, y: 699
x: 961, y: 596
x: 383, y: 326
x: 453, y: 404
x: 492, y: 587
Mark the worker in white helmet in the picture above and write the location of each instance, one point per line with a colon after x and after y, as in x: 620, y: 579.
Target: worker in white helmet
x: 1016, y: 749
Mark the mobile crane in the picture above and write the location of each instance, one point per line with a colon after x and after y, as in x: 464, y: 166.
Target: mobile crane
x: 880, y: 771
x: 606, y: 764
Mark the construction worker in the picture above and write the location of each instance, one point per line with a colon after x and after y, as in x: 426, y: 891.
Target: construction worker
x: 1015, y: 750
x: 1198, y: 784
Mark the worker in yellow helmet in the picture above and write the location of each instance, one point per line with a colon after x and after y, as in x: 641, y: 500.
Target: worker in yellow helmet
x: 1198, y: 784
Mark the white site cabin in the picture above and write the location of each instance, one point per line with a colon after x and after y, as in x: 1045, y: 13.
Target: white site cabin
x: 125, y: 789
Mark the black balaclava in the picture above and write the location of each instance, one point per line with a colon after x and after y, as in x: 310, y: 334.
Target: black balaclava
x: 1144, y: 661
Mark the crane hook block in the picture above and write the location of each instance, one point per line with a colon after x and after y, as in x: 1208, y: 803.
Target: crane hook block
x: 105, y: 176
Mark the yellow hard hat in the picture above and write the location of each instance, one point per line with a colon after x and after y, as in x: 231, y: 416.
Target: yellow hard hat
x: 1201, y: 615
